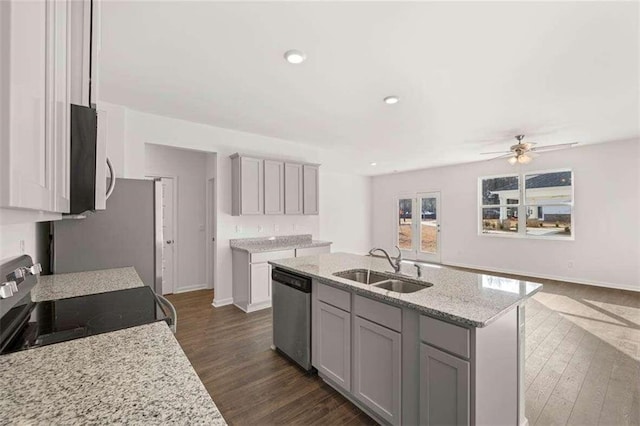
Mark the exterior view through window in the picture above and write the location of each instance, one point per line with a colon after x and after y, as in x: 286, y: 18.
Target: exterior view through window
x: 405, y: 228
x: 534, y: 204
x: 429, y: 225
x: 418, y: 226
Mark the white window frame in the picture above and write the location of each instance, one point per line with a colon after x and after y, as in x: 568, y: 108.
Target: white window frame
x: 415, y: 253
x: 522, y: 207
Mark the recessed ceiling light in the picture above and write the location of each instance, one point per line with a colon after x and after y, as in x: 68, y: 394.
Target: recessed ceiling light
x: 391, y: 100
x: 295, y: 56
x: 374, y: 164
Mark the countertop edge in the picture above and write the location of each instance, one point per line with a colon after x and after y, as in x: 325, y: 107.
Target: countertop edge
x: 284, y: 247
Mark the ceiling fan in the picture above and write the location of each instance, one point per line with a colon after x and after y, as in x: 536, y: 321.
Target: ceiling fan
x: 524, y: 152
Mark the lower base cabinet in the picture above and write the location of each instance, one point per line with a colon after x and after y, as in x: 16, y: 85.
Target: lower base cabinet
x: 377, y: 368
x: 444, y: 388
x: 334, y: 344
x: 260, y: 283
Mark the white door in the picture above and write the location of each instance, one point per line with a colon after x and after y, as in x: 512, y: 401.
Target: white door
x: 168, y: 233
x: 428, y: 232
x: 418, y: 226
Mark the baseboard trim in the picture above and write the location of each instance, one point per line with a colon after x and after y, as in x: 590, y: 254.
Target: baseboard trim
x: 253, y: 308
x: 191, y: 288
x: 546, y: 277
x: 221, y: 302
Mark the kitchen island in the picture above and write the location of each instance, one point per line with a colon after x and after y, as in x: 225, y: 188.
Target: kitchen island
x: 450, y: 351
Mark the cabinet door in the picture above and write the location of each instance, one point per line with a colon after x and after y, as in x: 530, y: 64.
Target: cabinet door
x: 377, y: 369
x: 251, y: 186
x: 334, y: 344
x: 311, y: 184
x: 444, y: 388
x: 24, y: 145
x: 293, y: 188
x: 260, y: 282
x: 61, y: 120
x: 273, y: 187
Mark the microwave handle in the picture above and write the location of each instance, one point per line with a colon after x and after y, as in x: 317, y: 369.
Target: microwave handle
x: 112, y: 182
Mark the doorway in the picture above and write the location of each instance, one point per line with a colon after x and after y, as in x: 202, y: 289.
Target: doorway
x: 169, y: 220
x: 211, y: 249
x: 418, y: 226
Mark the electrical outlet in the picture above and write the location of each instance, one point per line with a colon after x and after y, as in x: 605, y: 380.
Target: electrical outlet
x: 570, y: 264
x: 276, y: 228
x: 238, y: 229
x: 260, y: 228
x: 22, y: 249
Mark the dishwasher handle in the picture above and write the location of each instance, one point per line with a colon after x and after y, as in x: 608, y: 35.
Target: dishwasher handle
x: 295, y: 281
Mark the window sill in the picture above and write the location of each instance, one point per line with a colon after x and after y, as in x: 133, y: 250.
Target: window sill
x: 525, y: 236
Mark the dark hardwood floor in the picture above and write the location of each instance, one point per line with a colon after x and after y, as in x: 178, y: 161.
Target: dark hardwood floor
x: 582, y: 353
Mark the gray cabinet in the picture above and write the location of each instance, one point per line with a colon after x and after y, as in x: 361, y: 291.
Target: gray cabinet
x: 333, y: 357
x: 377, y: 366
x: 310, y: 189
x: 444, y: 388
x: 273, y: 187
x: 248, y: 185
x: 260, y: 283
x: 293, y: 188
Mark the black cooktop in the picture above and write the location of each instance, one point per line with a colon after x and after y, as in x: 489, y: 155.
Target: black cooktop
x: 56, y: 321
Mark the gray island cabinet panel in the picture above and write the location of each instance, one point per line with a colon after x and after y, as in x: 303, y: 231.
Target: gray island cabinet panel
x: 310, y: 192
x: 377, y: 365
x: 273, y: 187
x: 444, y: 388
x: 293, y: 188
x: 333, y: 357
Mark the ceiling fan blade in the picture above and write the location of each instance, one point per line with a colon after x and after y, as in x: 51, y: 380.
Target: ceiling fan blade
x: 553, y: 147
x: 495, y: 152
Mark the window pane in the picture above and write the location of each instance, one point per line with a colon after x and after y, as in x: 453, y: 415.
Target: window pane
x: 549, y: 220
x: 548, y: 188
x: 429, y: 226
x: 500, y: 190
x: 405, y: 228
x: 499, y: 220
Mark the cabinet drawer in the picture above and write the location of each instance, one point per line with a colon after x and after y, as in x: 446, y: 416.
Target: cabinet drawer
x: 335, y: 297
x: 310, y: 251
x: 446, y: 336
x: 272, y: 255
x: 378, y: 312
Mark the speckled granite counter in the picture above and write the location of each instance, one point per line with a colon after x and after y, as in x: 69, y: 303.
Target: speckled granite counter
x: 139, y: 375
x: 466, y: 298
x: 62, y: 286
x: 285, y: 242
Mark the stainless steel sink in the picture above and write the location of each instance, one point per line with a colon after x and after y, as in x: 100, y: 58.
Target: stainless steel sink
x: 401, y: 286
x: 362, y: 276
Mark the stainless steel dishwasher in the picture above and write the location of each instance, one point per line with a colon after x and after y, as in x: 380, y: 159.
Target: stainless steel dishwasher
x: 291, y: 302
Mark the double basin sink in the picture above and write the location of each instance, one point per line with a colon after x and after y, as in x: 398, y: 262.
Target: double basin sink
x: 390, y: 282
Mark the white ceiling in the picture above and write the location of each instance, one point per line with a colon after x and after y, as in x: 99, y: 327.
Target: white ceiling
x: 470, y: 75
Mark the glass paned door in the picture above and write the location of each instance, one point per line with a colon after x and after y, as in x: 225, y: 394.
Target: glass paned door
x: 428, y: 226
x: 405, y: 224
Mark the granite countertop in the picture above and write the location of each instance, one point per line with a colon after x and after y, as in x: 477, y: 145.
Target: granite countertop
x: 285, y: 242
x: 63, y: 286
x: 472, y: 300
x: 138, y: 375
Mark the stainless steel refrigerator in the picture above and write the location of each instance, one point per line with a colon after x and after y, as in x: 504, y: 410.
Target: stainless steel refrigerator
x: 127, y: 233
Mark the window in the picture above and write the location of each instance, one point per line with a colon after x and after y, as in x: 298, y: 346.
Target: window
x: 536, y: 204
x: 418, y: 226
x: 405, y: 225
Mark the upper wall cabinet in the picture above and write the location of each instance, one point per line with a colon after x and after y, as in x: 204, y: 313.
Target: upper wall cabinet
x: 293, y: 188
x: 311, y: 193
x: 34, y: 124
x: 273, y: 187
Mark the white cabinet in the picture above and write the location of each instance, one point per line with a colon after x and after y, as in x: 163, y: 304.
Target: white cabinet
x: 274, y: 187
x: 293, y: 188
x: 310, y: 189
x: 34, y: 132
x: 333, y: 357
x: 377, y: 365
x: 248, y: 185
x: 260, y: 283
x: 444, y: 388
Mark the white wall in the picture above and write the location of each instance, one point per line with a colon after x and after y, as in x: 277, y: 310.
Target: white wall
x: 345, y: 210
x: 606, y: 249
x: 190, y: 170
x: 142, y: 128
